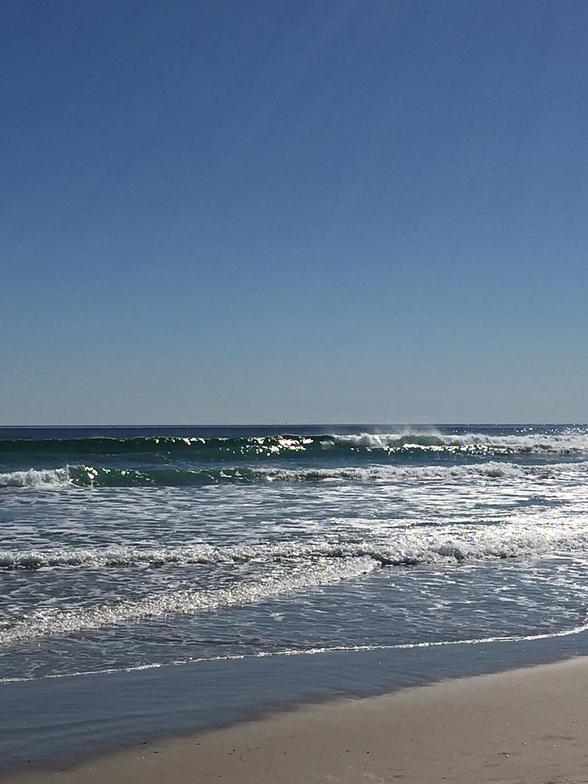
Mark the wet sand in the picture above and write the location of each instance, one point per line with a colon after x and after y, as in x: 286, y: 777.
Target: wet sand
x: 527, y: 726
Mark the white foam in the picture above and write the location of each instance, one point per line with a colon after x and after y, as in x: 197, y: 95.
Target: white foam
x: 416, y: 544
x: 563, y: 443
x: 299, y: 568
x: 488, y: 470
x: 36, y: 479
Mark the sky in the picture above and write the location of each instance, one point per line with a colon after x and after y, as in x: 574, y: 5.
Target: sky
x: 313, y: 212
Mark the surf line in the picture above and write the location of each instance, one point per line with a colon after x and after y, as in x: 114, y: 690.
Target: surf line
x: 310, y: 652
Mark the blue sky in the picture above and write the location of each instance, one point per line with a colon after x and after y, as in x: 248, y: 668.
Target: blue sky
x: 336, y: 211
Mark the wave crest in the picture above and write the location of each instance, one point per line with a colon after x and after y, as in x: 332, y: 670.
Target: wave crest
x: 36, y: 479
x: 407, y: 547
x: 99, y: 476
x: 263, y: 447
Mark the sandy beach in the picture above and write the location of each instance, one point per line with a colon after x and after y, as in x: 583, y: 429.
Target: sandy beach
x: 528, y: 726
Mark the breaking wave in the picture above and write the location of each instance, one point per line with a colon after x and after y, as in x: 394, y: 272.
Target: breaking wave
x: 36, y: 479
x: 263, y: 447
x: 407, y: 547
x: 98, y: 476
x: 294, y: 567
x: 574, y: 442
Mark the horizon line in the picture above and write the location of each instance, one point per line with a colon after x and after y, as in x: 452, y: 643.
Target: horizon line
x: 301, y: 424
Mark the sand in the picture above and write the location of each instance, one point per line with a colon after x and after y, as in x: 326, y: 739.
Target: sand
x: 527, y: 725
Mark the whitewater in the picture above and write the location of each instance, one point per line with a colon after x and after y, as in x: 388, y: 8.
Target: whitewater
x: 125, y: 548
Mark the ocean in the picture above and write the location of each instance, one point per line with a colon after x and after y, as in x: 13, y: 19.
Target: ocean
x: 130, y: 548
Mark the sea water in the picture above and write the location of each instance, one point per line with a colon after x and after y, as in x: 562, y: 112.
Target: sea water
x: 126, y: 548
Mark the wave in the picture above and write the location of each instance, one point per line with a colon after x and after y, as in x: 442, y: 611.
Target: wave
x: 406, y: 547
x: 37, y: 479
x: 50, y: 623
x: 290, y: 445
x: 480, y: 443
x: 282, y: 568
x: 212, y: 448
x: 90, y: 476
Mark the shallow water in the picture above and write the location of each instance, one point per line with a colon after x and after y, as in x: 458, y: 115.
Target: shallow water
x: 121, y: 548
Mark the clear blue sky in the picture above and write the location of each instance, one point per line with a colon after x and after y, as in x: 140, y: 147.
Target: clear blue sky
x: 346, y: 210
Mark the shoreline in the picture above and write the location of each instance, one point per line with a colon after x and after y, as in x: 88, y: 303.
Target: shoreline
x: 60, y: 723
x: 525, y: 725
